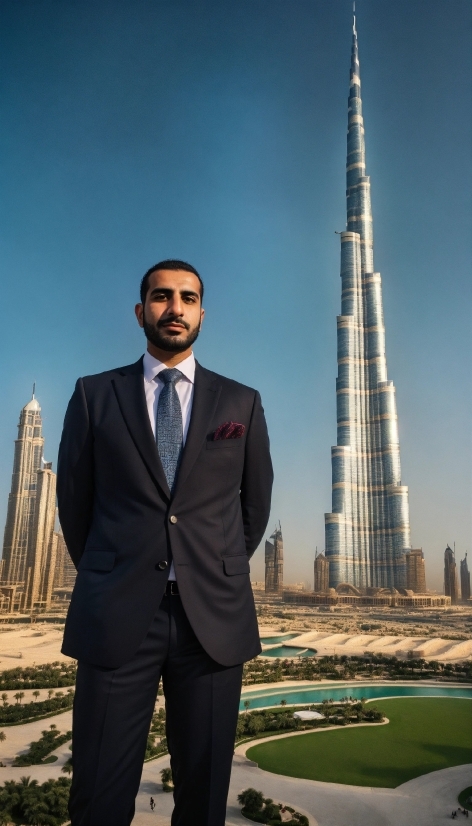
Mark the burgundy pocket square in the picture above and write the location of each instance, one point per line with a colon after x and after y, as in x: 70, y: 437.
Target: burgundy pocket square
x: 229, y: 430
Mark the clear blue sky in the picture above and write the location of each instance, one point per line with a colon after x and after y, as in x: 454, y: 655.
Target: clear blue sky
x: 215, y: 132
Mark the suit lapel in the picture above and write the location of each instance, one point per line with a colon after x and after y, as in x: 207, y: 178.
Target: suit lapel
x: 205, y: 399
x: 129, y: 389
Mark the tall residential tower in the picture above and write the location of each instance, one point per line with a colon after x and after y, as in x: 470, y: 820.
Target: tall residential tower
x: 19, y: 527
x: 368, y: 531
x: 29, y: 547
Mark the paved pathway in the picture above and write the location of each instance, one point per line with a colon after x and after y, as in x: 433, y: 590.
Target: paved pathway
x: 18, y: 739
x: 425, y: 801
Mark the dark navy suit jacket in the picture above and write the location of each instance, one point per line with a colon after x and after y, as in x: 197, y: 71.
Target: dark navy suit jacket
x: 121, y: 523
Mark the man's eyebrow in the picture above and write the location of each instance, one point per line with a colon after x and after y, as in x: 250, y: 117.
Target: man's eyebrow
x: 169, y: 291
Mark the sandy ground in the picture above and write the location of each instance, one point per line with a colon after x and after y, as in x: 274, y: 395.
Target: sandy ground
x: 18, y: 738
x: 24, y: 645
x: 431, y: 648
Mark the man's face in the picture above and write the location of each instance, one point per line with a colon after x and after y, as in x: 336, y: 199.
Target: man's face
x: 172, y: 314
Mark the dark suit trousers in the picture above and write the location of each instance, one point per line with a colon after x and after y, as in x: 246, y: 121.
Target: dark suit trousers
x: 112, y: 714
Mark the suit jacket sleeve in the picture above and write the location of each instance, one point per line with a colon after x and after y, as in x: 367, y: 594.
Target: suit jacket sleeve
x: 256, y: 486
x: 75, y: 474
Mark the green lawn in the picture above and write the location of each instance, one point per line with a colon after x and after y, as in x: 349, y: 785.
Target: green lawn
x: 424, y: 735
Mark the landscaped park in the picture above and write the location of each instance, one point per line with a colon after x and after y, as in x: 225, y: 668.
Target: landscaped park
x: 423, y: 735
x: 373, y: 732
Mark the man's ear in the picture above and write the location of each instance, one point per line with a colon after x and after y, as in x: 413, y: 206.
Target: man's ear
x: 139, y: 313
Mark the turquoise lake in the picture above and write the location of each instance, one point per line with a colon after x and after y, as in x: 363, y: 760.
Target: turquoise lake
x: 297, y: 696
x: 280, y: 638
x: 283, y: 651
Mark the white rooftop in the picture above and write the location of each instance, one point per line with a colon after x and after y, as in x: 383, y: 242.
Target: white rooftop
x: 308, y: 715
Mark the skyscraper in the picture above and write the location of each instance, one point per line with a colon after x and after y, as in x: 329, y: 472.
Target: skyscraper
x: 42, y: 549
x: 22, y: 499
x: 465, y: 580
x: 321, y: 570
x: 29, y: 548
x: 368, y: 531
x: 415, y: 571
x: 450, y: 575
x: 274, y: 563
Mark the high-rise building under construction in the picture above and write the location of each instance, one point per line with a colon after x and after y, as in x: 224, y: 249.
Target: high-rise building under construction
x: 274, y: 563
x: 368, y: 531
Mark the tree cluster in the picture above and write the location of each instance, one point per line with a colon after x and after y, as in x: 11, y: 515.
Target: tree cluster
x: 156, y: 741
x: 27, y: 802
x: 50, y: 740
x: 274, y: 721
x: 263, y: 810
x: 12, y: 715
x: 262, y: 670
x: 51, y: 675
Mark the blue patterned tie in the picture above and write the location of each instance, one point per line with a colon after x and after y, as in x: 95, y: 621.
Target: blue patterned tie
x: 169, y: 431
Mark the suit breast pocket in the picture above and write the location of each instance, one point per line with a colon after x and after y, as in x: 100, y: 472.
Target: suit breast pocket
x: 224, y: 444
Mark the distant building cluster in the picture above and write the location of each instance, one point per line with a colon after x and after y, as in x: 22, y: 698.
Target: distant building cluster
x: 35, y: 570
x: 451, y: 585
x: 414, y: 595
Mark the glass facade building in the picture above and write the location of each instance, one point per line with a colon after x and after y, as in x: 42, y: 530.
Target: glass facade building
x: 368, y: 531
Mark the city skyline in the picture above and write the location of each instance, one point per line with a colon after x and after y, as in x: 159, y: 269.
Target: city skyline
x: 229, y: 153
x: 368, y: 529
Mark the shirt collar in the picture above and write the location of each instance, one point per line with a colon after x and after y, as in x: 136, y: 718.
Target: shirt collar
x: 152, y: 367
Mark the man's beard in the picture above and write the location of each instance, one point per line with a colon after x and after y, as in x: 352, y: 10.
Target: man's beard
x: 155, y: 333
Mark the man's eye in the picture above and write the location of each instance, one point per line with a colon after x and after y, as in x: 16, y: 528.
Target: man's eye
x: 190, y: 299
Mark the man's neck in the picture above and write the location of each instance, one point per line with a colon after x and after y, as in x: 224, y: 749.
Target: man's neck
x: 168, y: 358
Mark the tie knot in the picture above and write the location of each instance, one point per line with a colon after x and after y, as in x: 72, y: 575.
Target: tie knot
x: 171, y: 375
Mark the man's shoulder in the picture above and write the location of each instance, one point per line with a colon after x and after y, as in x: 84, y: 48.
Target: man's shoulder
x: 97, y: 380
x: 228, y: 384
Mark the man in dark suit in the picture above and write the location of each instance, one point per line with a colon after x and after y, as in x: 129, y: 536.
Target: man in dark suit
x: 164, y: 482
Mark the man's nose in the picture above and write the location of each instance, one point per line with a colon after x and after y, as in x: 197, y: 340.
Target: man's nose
x: 176, y: 306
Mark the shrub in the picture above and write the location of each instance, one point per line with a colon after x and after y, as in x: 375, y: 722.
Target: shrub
x: 39, y: 749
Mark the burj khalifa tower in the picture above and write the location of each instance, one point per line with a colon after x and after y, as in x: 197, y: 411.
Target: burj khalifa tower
x: 368, y: 531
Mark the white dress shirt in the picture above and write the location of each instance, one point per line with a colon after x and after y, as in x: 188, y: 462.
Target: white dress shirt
x: 153, y: 386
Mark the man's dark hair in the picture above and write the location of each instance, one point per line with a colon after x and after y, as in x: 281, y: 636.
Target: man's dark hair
x: 169, y: 264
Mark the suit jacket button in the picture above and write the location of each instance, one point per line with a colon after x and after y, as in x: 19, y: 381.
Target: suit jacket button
x: 162, y: 565
x: 173, y: 519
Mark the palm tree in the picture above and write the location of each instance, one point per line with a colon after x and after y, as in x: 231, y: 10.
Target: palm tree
x: 283, y: 702
x: 17, y: 697
x: 20, y: 694
x: 36, y: 693
x: 5, y: 699
x: 50, y: 693
x: 67, y: 767
x: 3, y: 736
x: 251, y: 800
x: 246, y: 704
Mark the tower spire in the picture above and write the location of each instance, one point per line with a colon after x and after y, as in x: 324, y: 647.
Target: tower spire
x: 368, y: 531
x: 34, y: 389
